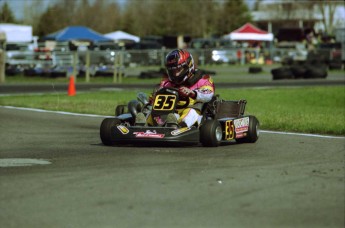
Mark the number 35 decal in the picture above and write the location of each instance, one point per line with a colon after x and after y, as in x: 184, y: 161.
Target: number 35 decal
x: 164, y: 102
x: 229, y: 130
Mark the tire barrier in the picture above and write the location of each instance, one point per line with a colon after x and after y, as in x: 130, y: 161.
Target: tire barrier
x: 152, y: 73
x: 316, y: 58
x: 316, y: 71
x: 335, y: 65
x: 282, y: 73
x: 298, y: 71
x: 306, y: 71
x: 162, y: 72
x: 254, y: 70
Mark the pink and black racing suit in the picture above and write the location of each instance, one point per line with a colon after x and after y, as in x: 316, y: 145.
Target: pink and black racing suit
x: 204, y: 88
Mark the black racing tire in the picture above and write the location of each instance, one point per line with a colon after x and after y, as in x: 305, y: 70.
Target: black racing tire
x: 282, y: 73
x: 318, y: 58
x: 105, y: 130
x: 335, y: 65
x: 316, y: 71
x: 298, y: 71
x: 210, y: 133
x: 254, y: 69
x: 142, y: 75
x: 288, y: 61
x: 253, y: 131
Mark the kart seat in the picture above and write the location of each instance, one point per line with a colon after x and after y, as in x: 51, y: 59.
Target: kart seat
x: 230, y: 109
x: 219, y: 108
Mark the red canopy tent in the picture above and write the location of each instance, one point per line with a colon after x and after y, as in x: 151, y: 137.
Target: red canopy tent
x: 249, y: 32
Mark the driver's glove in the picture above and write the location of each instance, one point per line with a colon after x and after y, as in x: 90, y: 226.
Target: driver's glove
x: 186, y: 92
x: 151, y: 98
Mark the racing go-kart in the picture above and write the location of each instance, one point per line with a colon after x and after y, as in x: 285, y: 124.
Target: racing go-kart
x: 222, y: 121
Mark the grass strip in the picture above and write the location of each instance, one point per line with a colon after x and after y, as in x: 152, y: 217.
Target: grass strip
x: 318, y: 110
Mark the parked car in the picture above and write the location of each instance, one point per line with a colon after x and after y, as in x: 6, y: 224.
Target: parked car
x: 224, y: 56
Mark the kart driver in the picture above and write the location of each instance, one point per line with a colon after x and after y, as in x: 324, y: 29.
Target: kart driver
x: 191, y: 83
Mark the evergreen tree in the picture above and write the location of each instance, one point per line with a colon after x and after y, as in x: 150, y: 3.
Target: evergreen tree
x: 6, y: 14
x: 51, y: 20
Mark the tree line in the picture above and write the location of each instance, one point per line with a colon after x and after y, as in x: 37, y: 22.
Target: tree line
x: 196, y: 18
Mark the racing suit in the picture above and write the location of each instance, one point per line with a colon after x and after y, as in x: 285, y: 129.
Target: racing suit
x: 203, y: 87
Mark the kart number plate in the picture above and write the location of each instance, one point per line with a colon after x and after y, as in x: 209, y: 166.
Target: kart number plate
x: 229, y: 130
x: 164, y: 102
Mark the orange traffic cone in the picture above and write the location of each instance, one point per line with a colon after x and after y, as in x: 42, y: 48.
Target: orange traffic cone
x: 71, y: 87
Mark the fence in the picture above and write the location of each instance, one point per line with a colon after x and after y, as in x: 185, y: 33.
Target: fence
x: 114, y: 62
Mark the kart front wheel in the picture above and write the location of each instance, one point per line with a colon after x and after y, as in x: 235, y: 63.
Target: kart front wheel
x: 105, y: 130
x: 211, y: 133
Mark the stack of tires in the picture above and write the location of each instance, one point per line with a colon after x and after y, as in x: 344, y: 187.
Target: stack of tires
x: 336, y: 65
x: 315, y: 67
x: 254, y: 69
x: 282, y: 73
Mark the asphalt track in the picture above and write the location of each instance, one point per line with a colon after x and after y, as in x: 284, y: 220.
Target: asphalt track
x: 283, y: 180
x: 62, y: 87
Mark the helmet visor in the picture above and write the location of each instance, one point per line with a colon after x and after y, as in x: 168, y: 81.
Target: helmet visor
x: 177, y: 74
x: 175, y: 71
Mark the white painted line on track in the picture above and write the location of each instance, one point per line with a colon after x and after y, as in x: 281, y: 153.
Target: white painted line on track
x: 101, y: 116
x: 14, y: 162
x: 57, y: 112
x: 20, y: 94
x: 302, y: 134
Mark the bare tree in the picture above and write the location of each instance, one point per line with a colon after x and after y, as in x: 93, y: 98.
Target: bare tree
x: 113, y: 16
x: 327, y: 9
x: 197, y: 18
x: 31, y: 14
x: 310, y: 11
x: 99, y: 22
x: 233, y: 14
x: 83, y: 11
x: 138, y: 18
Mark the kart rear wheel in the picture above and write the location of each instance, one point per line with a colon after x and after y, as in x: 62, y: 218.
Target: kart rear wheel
x: 211, y: 133
x: 105, y: 130
x: 253, y: 131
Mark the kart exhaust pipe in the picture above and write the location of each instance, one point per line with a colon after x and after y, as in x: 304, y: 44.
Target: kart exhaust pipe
x: 134, y: 107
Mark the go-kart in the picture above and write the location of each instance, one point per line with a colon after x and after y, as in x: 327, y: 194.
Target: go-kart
x: 222, y: 121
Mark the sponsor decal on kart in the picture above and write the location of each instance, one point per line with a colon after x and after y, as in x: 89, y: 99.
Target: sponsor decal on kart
x: 123, y: 129
x: 240, y: 135
x: 241, y: 125
x: 148, y: 134
x: 158, y: 120
x: 180, y: 131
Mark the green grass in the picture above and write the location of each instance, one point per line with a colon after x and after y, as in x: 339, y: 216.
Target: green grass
x: 224, y: 73
x: 311, y: 110
x: 307, y: 109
